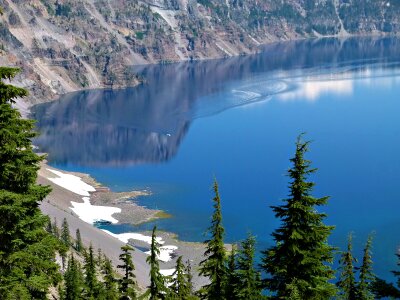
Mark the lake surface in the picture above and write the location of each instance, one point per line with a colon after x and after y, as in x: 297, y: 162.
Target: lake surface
x: 237, y: 119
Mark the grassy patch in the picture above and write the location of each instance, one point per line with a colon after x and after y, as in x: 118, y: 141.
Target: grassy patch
x: 162, y: 215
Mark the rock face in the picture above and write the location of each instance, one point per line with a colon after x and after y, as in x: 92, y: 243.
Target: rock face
x: 69, y: 45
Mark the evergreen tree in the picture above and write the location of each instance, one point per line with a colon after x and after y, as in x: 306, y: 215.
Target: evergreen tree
x: 78, y: 243
x: 249, y: 280
x: 301, y: 253
x: 347, y: 283
x: 157, y: 281
x: 180, y: 285
x: 65, y: 236
x: 127, y: 283
x: 110, y: 282
x: 367, y: 277
x: 190, y: 276
x: 56, y: 230
x: 231, y: 276
x: 27, y: 251
x: 91, y: 282
x: 73, y: 280
x: 213, y: 266
x: 99, y: 257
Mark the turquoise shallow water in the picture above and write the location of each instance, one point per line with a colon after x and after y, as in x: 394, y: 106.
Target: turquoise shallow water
x: 237, y: 119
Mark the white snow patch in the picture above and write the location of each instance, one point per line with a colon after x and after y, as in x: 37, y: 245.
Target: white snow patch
x: 72, y: 183
x: 165, y: 252
x: 167, y: 272
x: 125, y: 237
x: 91, y: 213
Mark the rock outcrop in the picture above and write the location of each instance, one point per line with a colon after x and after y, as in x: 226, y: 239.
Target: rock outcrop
x: 69, y: 45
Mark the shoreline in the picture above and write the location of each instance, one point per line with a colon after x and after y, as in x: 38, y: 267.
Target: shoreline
x: 25, y: 106
x: 80, y: 199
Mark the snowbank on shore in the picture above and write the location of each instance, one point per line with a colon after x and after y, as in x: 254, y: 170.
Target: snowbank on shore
x: 72, y: 183
x: 91, y: 213
x: 125, y: 237
x: 165, y: 251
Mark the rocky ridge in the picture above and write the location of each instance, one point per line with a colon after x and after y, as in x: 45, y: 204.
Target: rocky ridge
x: 69, y: 45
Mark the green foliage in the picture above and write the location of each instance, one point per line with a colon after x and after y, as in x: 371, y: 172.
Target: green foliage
x: 27, y: 250
x: 347, y: 283
x: 301, y: 253
x: 213, y: 266
x: 127, y: 283
x: 249, y: 280
x: 91, y: 282
x: 232, y: 279
x: 78, y: 242
x: 110, y: 281
x: 65, y: 236
x: 382, y: 289
x: 73, y: 280
x: 180, y: 288
x: 367, y: 277
x: 157, y: 287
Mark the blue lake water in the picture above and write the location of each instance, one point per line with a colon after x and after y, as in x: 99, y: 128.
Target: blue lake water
x: 237, y: 119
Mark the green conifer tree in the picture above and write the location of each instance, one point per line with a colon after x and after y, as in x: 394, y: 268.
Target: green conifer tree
x: 232, y: 280
x: 214, y: 264
x: 91, y: 282
x: 249, y: 280
x: 347, y: 283
x: 127, y: 283
x: 180, y: 285
x: 110, y: 281
x: 73, y: 280
x: 367, y: 276
x: 301, y: 253
x: 78, y: 243
x: 65, y: 236
x: 27, y: 251
x: 189, y: 273
x: 157, y: 287
x: 56, y: 230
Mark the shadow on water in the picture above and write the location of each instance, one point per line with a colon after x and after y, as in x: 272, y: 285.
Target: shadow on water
x: 147, y: 124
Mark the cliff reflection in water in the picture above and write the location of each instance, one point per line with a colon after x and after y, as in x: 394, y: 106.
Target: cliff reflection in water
x: 146, y: 124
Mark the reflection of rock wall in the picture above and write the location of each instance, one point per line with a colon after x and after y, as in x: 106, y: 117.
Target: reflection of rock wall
x: 109, y: 128
x: 147, y: 123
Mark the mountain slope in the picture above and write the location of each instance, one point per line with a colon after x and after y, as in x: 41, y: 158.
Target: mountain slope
x: 69, y: 45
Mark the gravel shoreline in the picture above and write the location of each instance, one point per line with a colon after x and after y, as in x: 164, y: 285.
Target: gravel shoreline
x: 58, y: 205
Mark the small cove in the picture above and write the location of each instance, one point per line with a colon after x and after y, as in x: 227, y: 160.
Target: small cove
x: 237, y: 119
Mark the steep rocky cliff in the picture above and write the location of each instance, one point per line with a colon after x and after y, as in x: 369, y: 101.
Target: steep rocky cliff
x: 69, y: 45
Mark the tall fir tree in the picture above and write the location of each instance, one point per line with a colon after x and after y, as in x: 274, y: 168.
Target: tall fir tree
x: 180, y: 287
x: 214, y: 264
x: 56, y: 230
x: 367, y: 276
x: 91, y: 282
x: 78, y: 242
x: 127, y: 284
x: 301, y: 253
x: 347, y: 283
x: 27, y: 250
x: 73, y: 280
x: 249, y: 280
x: 232, y: 280
x: 109, y: 281
x: 157, y: 287
x: 65, y: 235
x: 189, y: 273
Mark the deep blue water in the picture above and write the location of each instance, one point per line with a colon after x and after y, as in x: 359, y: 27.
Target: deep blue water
x: 237, y: 119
